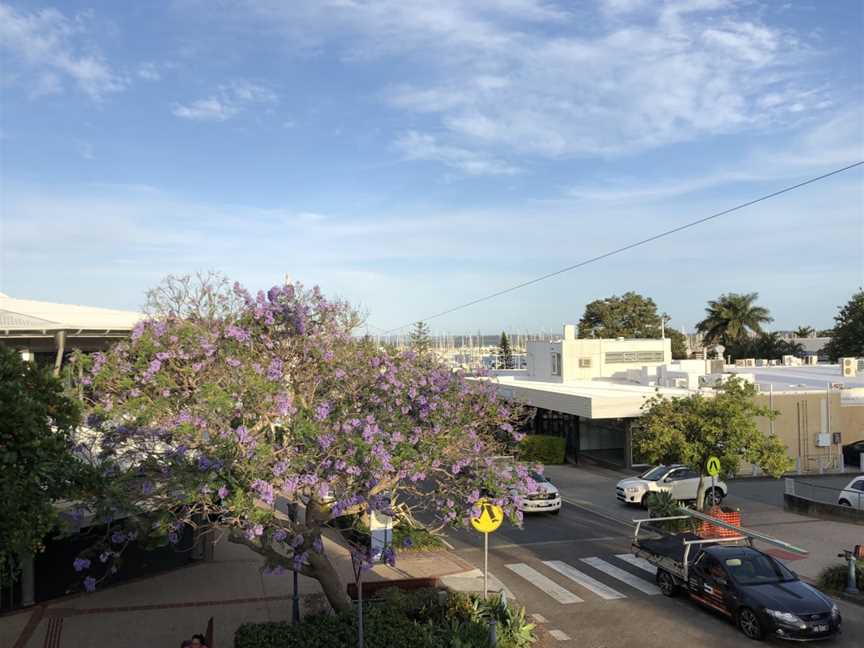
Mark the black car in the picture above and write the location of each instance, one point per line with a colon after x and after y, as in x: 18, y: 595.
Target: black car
x: 763, y: 597
x: 852, y: 453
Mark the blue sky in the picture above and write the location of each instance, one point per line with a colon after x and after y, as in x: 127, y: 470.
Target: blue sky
x: 410, y: 156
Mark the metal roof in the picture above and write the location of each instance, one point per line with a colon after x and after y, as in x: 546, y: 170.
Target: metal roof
x: 18, y: 315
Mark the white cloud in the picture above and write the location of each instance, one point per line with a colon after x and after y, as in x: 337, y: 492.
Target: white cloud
x: 53, y: 48
x: 420, y: 146
x: 149, y: 71
x: 532, y: 78
x: 229, y: 101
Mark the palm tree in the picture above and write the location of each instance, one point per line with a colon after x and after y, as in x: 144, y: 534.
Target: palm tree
x: 804, y: 331
x: 732, y: 318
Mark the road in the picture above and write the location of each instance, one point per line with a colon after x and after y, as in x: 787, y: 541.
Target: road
x: 575, y: 571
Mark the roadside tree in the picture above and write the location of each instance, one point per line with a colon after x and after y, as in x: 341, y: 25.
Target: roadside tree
x: 692, y: 429
x: 37, y: 463
x: 419, y: 339
x: 271, y: 421
x: 847, y: 337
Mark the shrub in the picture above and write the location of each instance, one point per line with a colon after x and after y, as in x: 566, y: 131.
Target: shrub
x: 541, y: 448
x: 833, y: 579
x: 661, y: 504
x: 408, y: 538
x: 419, y: 619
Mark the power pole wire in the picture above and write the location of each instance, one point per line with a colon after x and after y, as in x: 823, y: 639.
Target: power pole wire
x: 630, y: 246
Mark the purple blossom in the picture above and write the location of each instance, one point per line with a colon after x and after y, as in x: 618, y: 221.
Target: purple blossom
x: 283, y: 404
x: 90, y: 584
x: 322, y: 411
x: 297, y: 541
x: 80, y: 564
x: 264, y: 490
x: 274, y: 370
x: 222, y: 492
x: 339, y: 374
x: 147, y: 487
x: 280, y: 535
x: 238, y: 333
x: 154, y: 366
x: 233, y: 362
x: 118, y: 537
x: 173, y: 538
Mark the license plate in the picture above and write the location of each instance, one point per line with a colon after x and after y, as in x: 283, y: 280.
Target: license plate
x: 820, y: 628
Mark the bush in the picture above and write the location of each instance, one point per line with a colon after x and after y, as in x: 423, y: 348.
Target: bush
x: 541, y: 448
x: 833, y: 579
x: 419, y: 619
x: 408, y: 538
x: 661, y: 504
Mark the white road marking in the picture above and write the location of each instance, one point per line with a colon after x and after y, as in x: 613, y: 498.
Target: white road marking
x: 636, y: 561
x: 601, y: 590
x: 539, y: 618
x: 560, y: 635
x: 540, y: 581
x: 624, y: 576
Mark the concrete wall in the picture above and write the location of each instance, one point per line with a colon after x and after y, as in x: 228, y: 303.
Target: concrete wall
x: 822, y: 510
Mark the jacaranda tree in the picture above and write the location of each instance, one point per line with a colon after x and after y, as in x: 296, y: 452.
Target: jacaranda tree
x: 265, y: 422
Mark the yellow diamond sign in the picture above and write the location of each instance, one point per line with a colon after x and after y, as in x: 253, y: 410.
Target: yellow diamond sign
x: 491, y: 517
x: 713, y: 466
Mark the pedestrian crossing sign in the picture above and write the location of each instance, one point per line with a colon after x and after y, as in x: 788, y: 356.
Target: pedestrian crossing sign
x: 713, y: 466
x: 491, y: 517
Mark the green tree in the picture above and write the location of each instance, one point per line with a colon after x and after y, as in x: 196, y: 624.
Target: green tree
x: 631, y: 316
x: 847, y: 338
x: 419, y: 339
x: 769, y: 346
x: 804, y: 331
x: 692, y: 429
x: 36, y: 459
x: 732, y: 318
x: 505, y: 353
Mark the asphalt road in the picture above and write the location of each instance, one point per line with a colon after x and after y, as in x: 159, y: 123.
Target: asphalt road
x: 611, y: 602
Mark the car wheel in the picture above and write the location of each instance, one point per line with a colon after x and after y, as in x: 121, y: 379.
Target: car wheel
x: 666, y: 583
x: 845, y: 503
x: 750, y: 625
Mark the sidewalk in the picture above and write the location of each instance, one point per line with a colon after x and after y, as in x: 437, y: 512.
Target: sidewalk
x: 164, y: 609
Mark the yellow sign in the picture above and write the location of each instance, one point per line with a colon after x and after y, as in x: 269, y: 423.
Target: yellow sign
x: 713, y: 466
x: 491, y: 517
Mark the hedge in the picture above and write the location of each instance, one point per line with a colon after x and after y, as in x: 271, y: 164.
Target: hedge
x: 834, y: 578
x: 541, y: 448
x: 419, y: 619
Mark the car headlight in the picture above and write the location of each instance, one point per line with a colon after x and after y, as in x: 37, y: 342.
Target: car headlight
x: 835, y: 611
x: 631, y: 489
x: 785, y: 617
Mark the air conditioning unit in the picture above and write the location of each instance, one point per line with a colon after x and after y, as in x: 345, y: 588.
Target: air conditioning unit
x: 849, y: 367
x: 823, y: 440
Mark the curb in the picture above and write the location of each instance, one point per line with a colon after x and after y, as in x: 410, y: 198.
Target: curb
x: 855, y: 599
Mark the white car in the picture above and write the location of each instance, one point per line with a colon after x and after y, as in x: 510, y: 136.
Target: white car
x: 853, y: 494
x: 681, y: 481
x: 547, y: 499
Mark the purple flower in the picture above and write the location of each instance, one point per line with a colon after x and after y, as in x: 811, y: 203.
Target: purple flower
x: 323, y: 411
x: 238, y: 334
x: 264, y: 490
x: 173, y: 538
x: 81, y: 564
x: 154, y: 367
x: 326, y: 440
x: 118, y: 537
x: 297, y: 541
x: 222, y: 492
x: 274, y: 370
x: 90, y: 584
x: 280, y: 535
x: 233, y: 362
x: 407, y: 543
x: 340, y: 374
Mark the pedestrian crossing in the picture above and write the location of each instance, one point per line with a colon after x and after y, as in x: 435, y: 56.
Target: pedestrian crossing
x: 624, y: 574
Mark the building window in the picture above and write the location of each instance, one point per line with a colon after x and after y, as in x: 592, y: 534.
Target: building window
x: 584, y: 363
x: 556, y: 364
x: 627, y: 357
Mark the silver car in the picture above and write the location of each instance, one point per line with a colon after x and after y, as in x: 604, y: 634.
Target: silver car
x: 853, y: 494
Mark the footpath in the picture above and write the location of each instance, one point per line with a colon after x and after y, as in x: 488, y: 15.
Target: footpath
x: 163, y: 609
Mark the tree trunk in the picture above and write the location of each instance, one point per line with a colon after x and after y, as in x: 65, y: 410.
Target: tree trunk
x: 700, y: 494
x: 331, y: 583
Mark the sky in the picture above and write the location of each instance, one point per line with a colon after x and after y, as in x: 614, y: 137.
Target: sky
x: 410, y: 156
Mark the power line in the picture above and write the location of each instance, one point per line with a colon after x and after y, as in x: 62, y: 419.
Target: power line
x: 630, y: 246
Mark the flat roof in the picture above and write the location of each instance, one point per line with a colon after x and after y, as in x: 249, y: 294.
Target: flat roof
x: 806, y: 378
x: 17, y: 315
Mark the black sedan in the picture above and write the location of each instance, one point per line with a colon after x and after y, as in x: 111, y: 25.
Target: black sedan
x: 762, y: 596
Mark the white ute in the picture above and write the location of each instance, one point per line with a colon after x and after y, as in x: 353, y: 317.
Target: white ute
x: 681, y: 481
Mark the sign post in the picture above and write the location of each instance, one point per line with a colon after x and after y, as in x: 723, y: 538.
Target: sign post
x: 491, y: 517
x: 713, y: 469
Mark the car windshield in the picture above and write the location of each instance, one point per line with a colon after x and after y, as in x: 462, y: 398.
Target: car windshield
x: 655, y: 473
x: 537, y: 477
x: 757, y: 569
